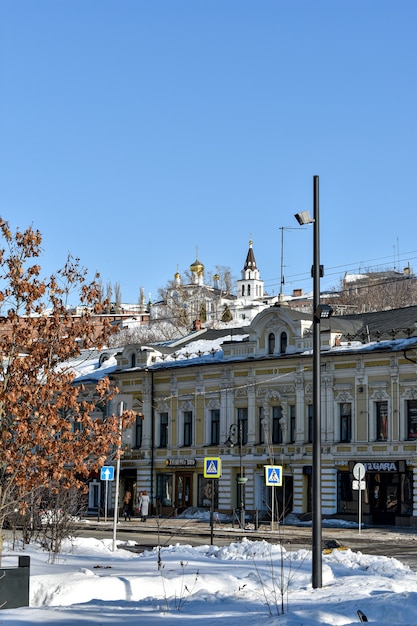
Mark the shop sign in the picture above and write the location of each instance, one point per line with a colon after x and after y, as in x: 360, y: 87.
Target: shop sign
x: 180, y: 462
x: 381, y: 467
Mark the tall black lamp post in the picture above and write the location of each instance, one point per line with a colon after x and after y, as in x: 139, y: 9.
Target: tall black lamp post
x: 236, y: 437
x: 319, y: 311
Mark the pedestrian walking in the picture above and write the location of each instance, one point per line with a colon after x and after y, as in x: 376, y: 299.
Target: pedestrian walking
x: 127, y: 505
x: 144, y: 505
x: 140, y: 494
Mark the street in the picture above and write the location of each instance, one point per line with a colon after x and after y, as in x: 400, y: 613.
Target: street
x: 397, y: 542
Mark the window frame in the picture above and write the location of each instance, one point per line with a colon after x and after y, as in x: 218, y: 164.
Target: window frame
x: 345, y: 422
x: 214, y: 427
x: 187, y: 428
x: 381, y: 420
x: 276, y: 434
x: 242, y: 418
x: 163, y: 429
x: 271, y: 343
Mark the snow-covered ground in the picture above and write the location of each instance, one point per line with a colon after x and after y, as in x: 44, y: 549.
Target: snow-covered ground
x: 243, y: 583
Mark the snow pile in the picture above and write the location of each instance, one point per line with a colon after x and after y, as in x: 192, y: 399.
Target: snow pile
x: 218, y: 586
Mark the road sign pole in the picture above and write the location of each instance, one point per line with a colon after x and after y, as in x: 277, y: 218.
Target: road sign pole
x: 359, y: 471
x: 116, y: 498
x: 106, y: 493
x: 212, y: 513
x: 360, y: 498
x: 273, y: 508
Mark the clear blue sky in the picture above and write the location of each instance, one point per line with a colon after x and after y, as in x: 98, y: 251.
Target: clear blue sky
x: 132, y: 131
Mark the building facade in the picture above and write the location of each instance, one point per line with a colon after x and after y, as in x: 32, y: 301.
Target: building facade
x: 248, y: 402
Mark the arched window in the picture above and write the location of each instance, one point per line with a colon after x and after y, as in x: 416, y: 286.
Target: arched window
x: 248, y: 290
x: 133, y: 360
x: 271, y: 343
x: 283, y: 343
x: 243, y: 290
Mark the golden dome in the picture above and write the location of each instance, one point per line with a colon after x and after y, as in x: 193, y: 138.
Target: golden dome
x: 197, y: 267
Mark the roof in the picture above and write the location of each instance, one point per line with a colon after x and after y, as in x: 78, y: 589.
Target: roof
x: 395, y: 323
x: 250, y: 263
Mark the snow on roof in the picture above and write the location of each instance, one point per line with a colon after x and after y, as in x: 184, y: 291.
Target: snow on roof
x: 352, y: 278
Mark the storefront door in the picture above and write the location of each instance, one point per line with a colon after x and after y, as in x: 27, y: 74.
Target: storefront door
x: 183, y: 490
x: 384, y: 497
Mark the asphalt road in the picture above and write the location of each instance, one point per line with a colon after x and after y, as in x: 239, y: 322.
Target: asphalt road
x: 394, y: 541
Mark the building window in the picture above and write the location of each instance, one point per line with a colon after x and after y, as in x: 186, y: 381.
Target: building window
x: 345, y: 501
x: 345, y: 409
x: 138, y: 431
x: 283, y: 343
x: 242, y: 422
x: 205, y: 492
x: 243, y: 290
x: 188, y: 428
x: 291, y: 410
x: 412, y: 419
x: 248, y: 290
x: 310, y: 423
x: 215, y: 427
x: 276, y: 425
x: 261, y: 424
x: 133, y: 360
x: 271, y: 343
x: 164, y: 489
x: 382, y: 421
x: 163, y: 430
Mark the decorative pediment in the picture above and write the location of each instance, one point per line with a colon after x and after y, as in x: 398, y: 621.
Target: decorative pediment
x: 162, y: 407
x: 213, y: 405
x: 187, y: 405
x: 344, y: 396
x: 410, y: 394
x: 379, y: 395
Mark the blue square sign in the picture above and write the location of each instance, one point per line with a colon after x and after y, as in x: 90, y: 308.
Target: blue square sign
x: 107, y: 472
x: 273, y: 475
x: 212, y: 467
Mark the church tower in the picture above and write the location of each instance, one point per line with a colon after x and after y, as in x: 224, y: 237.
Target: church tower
x: 197, y: 272
x: 250, y: 286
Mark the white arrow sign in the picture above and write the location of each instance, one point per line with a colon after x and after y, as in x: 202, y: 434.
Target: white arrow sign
x: 107, y: 472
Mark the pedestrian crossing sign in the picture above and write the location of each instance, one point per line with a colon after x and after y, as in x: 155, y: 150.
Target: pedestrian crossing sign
x: 273, y: 475
x: 212, y: 467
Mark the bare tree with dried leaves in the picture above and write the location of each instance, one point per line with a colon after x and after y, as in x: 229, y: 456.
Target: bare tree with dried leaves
x: 48, y: 435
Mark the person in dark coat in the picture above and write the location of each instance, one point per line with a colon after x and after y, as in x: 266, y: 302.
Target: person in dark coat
x: 127, y: 505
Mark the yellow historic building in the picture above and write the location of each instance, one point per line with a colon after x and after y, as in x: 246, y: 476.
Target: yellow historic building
x: 244, y: 396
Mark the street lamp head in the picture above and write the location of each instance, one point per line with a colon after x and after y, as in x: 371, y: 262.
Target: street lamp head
x: 323, y: 311
x: 233, y: 437
x: 303, y: 217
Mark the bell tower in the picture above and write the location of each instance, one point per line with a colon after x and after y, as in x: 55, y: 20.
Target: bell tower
x: 250, y: 286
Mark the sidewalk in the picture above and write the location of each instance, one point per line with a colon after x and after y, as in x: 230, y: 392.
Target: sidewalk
x: 202, y: 527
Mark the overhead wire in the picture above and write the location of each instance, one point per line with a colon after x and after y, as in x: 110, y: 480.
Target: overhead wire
x: 371, y: 265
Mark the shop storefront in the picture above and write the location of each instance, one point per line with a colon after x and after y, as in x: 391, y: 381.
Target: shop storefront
x: 175, y: 486
x: 388, y: 493
x: 181, y: 486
